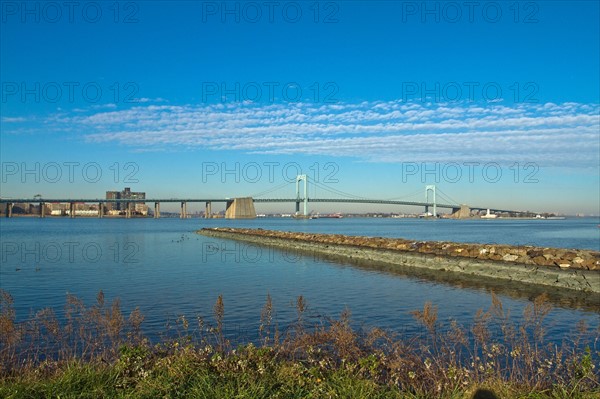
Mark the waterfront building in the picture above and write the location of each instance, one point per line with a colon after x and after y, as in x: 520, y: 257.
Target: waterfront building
x: 140, y: 208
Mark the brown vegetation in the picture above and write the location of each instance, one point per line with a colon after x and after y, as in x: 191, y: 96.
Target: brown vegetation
x: 441, y: 361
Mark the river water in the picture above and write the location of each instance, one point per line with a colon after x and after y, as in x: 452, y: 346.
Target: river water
x: 167, y: 270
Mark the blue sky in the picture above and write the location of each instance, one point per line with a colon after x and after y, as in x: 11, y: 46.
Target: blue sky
x: 497, y: 104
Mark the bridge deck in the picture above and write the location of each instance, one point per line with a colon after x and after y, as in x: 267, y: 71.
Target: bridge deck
x: 258, y: 200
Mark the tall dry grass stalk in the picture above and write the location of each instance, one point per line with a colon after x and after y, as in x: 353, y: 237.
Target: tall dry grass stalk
x: 91, y: 334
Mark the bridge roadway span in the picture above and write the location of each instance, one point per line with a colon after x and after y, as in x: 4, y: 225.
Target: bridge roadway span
x: 184, y: 201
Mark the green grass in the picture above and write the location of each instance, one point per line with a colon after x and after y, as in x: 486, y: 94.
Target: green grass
x: 187, y: 374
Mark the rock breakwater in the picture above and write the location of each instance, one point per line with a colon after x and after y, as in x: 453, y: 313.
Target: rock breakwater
x: 573, y: 269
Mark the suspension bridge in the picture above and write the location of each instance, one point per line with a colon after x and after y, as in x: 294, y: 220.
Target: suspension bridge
x: 243, y: 207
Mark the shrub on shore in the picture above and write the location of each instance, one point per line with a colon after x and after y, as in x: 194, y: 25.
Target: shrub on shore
x: 98, y: 352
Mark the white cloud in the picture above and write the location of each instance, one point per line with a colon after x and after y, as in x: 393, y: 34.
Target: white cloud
x: 8, y: 119
x: 394, y: 131
x: 148, y: 100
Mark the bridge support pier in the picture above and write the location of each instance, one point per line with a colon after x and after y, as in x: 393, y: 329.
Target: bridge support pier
x: 240, y: 208
x: 100, y: 210
x: 42, y: 210
x: 183, y: 214
x: 156, y: 210
x: 9, y: 209
x: 128, y: 211
x: 71, y: 210
x: 208, y: 210
x: 464, y: 212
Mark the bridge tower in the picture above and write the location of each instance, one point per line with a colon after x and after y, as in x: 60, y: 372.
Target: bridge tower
x: 427, y: 190
x: 298, y: 199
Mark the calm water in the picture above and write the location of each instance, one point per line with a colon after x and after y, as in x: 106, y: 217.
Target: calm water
x: 167, y: 270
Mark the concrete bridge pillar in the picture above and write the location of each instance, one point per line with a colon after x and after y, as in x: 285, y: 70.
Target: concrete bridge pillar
x: 100, y: 210
x: 42, y: 210
x: 463, y: 212
x: 183, y: 214
x: 9, y: 209
x: 156, y: 210
x: 208, y: 210
x: 71, y: 210
x: 128, y: 211
x: 240, y: 208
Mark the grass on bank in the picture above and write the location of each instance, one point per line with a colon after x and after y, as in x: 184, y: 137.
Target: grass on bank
x: 97, y: 352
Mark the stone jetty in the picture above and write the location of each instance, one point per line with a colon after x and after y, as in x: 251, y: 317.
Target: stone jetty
x: 574, y: 269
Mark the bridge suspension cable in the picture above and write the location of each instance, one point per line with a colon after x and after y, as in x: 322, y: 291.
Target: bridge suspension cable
x: 413, y: 194
x: 279, y: 187
x: 327, y: 189
x: 336, y: 191
x: 446, y: 197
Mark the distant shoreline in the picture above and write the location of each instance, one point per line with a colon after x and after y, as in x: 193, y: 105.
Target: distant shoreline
x: 276, y: 216
x: 545, y: 267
